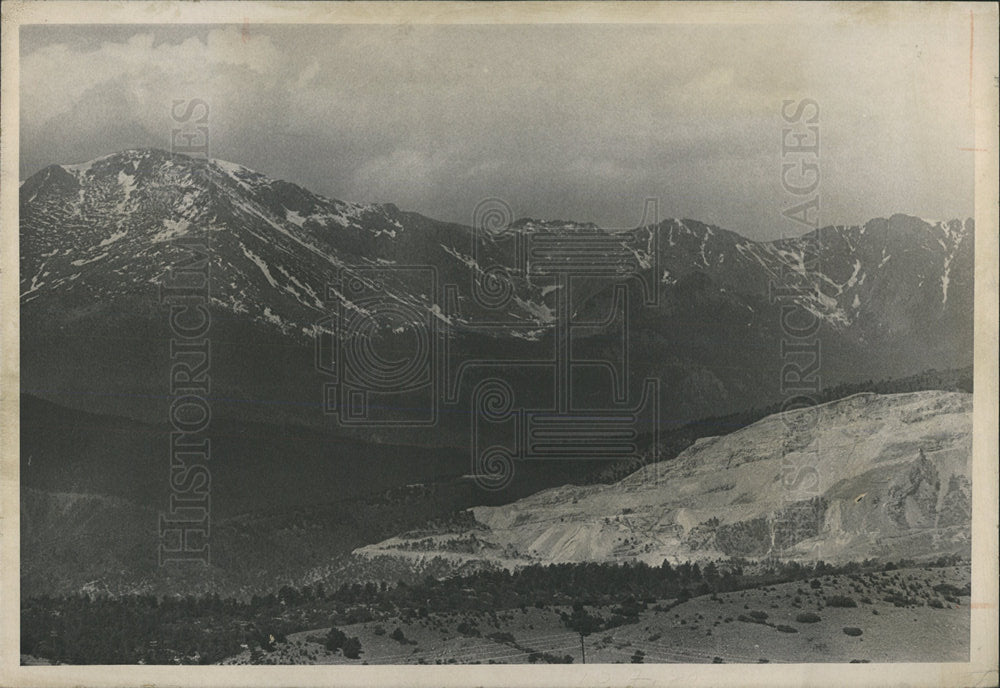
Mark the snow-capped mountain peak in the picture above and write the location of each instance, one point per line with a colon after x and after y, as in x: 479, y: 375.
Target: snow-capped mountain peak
x: 895, y: 292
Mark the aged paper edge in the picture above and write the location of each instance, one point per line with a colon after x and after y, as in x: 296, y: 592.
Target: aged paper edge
x: 981, y: 670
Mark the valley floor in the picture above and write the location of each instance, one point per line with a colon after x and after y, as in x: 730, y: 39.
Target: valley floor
x: 908, y: 615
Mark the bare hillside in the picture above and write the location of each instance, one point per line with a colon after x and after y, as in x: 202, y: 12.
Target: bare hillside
x: 884, y: 476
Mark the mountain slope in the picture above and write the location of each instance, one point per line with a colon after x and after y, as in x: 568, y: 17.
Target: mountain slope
x: 891, y: 297
x: 277, y: 242
x: 866, y: 476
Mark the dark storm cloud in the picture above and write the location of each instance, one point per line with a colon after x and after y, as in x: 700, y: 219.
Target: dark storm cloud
x: 563, y: 121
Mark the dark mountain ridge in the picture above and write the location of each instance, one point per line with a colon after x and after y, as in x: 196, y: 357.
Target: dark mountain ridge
x: 892, y: 297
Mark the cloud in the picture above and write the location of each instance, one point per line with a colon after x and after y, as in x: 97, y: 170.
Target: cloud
x: 419, y: 172
x: 565, y: 121
x: 56, y: 77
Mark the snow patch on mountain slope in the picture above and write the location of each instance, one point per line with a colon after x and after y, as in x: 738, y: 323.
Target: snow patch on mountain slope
x: 259, y: 262
x: 113, y: 237
x: 127, y: 184
x: 315, y: 303
x: 527, y: 335
x: 541, y: 313
x: 439, y: 314
x: 275, y: 319
x: 642, y: 258
x: 85, y: 261
x: 82, y: 168
x: 469, y: 261
x: 36, y: 282
x: 238, y: 173
x: 347, y: 303
x: 171, y: 230
x: 853, y: 279
x: 946, y: 272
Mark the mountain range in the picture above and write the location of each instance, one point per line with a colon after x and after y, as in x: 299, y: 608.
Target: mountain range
x: 291, y: 273
x: 892, y: 296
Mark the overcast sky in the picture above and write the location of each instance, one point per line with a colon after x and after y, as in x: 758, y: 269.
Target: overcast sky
x: 562, y: 121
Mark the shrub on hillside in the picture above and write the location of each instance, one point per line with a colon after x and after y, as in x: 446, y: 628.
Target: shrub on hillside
x: 807, y: 617
x: 954, y: 591
x: 352, y: 648
x: 548, y: 658
x: 335, y: 639
x: 852, y: 630
x: 898, y: 600
x: 787, y: 629
x: 466, y: 628
x: 840, y: 601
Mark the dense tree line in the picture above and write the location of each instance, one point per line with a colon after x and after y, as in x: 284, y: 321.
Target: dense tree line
x: 133, y: 629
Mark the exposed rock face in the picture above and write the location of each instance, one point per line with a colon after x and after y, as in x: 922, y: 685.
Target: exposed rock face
x: 867, y: 476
